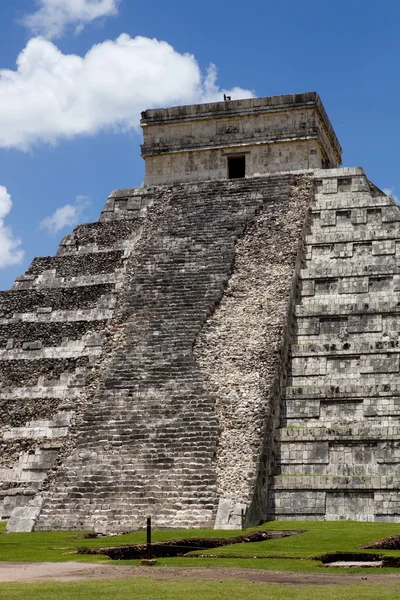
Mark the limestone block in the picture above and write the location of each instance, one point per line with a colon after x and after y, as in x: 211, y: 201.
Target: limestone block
x: 299, y: 502
x: 298, y: 408
x: 353, y: 285
x: 383, y: 247
x: 307, y: 288
x: 333, y: 326
x: 380, y: 284
x: 308, y: 326
x: 390, y: 214
x: 358, y: 506
x: 396, y: 285
x: 10, y: 503
x: 328, y: 218
x: 342, y: 366
x: 337, y: 412
x: 326, y: 286
x: 364, y: 323
x: 223, y: 514
x: 358, y: 215
x: 308, y: 366
x: 23, y: 518
x: 380, y: 363
x: 343, y: 250
x: 381, y: 407
x: 359, y: 184
x: 304, y: 453
x: 329, y: 186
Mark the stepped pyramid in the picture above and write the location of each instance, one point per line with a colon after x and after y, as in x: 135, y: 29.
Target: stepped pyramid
x: 221, y: 347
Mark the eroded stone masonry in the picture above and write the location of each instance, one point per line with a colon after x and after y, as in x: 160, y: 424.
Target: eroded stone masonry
x: 221, y: 347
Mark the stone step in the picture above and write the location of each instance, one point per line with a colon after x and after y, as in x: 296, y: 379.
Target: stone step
x: 360, y: 233
x: 74, y: 265
x: 350, y: 469
x: 47, y: 300
x: 14, y: 334
x: 349, y: 201
x: 151, y: 414
x: 330, y: 483
x: 345, y: 389
x: 337, y: 347
x: 363, y: 432
x: 98, y: 237
x: 28, y: 372
x: 66, y: 316
x: 378, y: 266
x: 50, y: 280
x: 368, y: 309
x: 17, y: 412
x: 63, y: 390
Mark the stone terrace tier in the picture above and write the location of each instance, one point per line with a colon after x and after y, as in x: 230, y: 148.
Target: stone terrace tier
x: 339, y: 441
x: 147, y: 441
x: 55, y: 326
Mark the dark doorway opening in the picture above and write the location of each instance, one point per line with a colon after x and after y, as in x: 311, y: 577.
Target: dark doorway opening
x: 236, y: 167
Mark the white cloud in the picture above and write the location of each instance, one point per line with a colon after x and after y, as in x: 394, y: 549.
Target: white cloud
x: 10, y: 251
x: 66, y: 216
x: 52, y: 95
x: 389, y: 191
x: 53, y: 16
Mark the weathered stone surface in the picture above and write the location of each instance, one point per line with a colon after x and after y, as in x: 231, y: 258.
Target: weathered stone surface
x: 243, y: 345
x: 193, y: 143
x: 216, y: 352
x: 342, y: 398
x: 150, y: 435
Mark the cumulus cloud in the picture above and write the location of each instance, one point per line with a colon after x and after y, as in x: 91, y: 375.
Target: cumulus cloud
x: 66, y: 216
x: 389, y: 191
x: 53, y: 95
x: 53, y: 16
x: 10, y: 251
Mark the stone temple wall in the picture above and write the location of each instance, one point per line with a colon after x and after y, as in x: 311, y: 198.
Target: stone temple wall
x: 340, y: 432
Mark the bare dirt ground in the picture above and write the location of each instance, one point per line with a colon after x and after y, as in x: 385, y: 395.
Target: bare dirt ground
x: 72, y: 571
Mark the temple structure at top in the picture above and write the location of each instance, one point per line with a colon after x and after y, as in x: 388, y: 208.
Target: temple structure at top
x: 238, y: 138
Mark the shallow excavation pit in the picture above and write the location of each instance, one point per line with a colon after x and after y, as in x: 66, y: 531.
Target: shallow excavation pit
x: 358, y: 559
x: 180, y: 547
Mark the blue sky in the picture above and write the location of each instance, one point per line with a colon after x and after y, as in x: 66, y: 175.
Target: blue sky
x: 75, y: 74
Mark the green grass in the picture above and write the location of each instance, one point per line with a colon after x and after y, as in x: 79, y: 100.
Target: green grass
x: 61, y: 546
x: 319, y: 538
x: 195, y: 590
x: 281, y: 554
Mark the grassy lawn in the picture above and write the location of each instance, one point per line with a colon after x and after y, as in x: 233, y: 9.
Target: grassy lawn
x: 56, y: 546
x: 293, y: 553
x: 195, y: 590
x: 319, y: 538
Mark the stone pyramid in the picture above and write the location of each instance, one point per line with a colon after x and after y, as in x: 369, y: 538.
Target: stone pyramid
x: 221, y: 348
